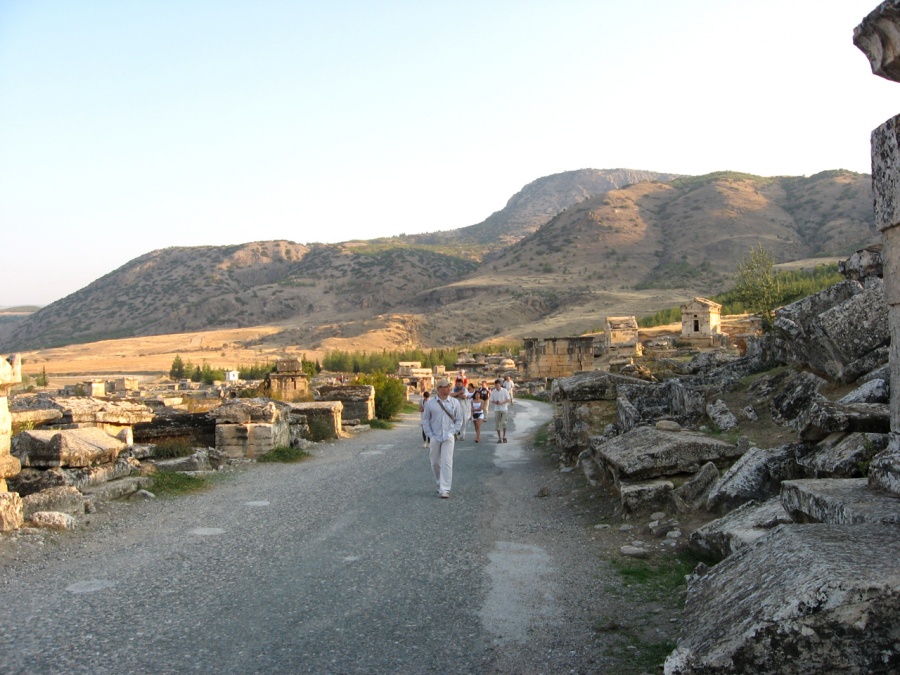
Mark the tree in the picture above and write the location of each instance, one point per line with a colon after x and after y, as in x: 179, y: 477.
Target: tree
x: 42, y: 380
x: 758, y: 286
x: 176, y: 372
x: 390, y: 394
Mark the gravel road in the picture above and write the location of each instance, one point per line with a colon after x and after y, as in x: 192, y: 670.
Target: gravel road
x: 345, y: 563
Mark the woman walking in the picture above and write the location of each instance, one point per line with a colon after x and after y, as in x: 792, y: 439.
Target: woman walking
x: 477, y: 414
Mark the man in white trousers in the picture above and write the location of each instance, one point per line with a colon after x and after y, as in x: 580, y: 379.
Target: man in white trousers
x: 442, y: 420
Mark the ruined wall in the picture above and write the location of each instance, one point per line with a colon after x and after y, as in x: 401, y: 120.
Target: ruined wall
x: 10, y: 502
x: 558, y: 357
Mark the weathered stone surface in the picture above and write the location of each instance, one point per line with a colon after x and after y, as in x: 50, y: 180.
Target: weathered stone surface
x: 867, y: 262
x: 114, y: 489
x: 52, y: 520
x: 64, y: 499
x: 251, y: 440
x: 324, y: 415
x: 35, y: 417
x: 668, y: 425
x: 739, y: 528
x: 199, y: 461
x: 88, y: 410
x: 709, y: 360
x: 646, y: 497
x: 591, y: 386
x: 884, y: 469
x: 358, y: 400
x: 11, y: 517
x: 95, y: 475
x: 805, y: 598
x: 646, y: 453
x: 695, y: 492
x: 627, y: 416
x: 838, y: 501
x: 886, y: 180
x: 822, y: 418
x: 634, y: 552
x: 10, y: 466
x: 756, y: 476
x: 790, y: 393
x: 878, y: 38
x: 843, y: 455
x: 245, y: 410
x: 32, y: 480
x: 834, y: 330
x: 872, y: 391
x: 721, y: 416
x: 68, y: 447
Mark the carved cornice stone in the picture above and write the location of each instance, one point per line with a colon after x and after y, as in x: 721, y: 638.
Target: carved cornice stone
x: 878, y: 36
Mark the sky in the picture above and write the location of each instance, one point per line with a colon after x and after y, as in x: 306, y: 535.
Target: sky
x: 130, y: 126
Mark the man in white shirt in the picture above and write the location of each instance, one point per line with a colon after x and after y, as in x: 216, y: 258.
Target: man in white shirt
x: 500, y: 401
x: 441, y: 421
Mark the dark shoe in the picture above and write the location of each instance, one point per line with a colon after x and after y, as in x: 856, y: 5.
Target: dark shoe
x: 504, y: 440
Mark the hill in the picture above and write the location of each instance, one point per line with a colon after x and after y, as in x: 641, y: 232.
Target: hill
x: 565, y: 251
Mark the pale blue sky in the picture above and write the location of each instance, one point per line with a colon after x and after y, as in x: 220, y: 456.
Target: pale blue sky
x: 131, y: 126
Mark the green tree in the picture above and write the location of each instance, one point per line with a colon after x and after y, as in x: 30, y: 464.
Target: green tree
x: 757, y: 285
x: 390, y: 394
x: 176, y: 372
x: 42, y: 380
x: 197, y: 374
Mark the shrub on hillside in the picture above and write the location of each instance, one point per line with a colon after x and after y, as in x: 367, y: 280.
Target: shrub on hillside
x: 390, y: 394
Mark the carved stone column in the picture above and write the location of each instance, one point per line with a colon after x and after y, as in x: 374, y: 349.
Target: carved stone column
x: 10, y: 502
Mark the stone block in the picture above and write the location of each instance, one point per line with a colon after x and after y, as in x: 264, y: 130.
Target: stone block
x: 843, y: 455
x: 199, y: 461
x: 32, y: 480
x: 805, y: 598
x: 71, y: 447
x: 696, y: 491
x: 63, y: 499
x: 87, y: 476
x: 838, y: 501
x: 872, y: 391
x: 756, y: 476
x: 822, y: 418
x: 114, y: 489
x: 647, y: 453
x: 884, y: 469
x: 721, y: 416
x: 11, y: 517
x: 646, y: 497
x: 886, y: 178
x: 52, y: 520
x: 739, y: 528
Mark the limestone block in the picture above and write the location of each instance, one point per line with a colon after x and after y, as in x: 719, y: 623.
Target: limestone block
x: 72, y: 447
x: 838, y: 501
x: 886, y: 179
x: 32, y: 480
x: 199, y: 461
x: 87, y: 476
x: 251, y: 440
x: 64, y: 499
x: 591, y: 386
x: 325, y: 413
x: 805, y: 598
x: 89, y: 410
x: 114, y: 489
x: 739, y: 528
x: 862, y: 264
x: 646, y: 453
x: 35, y: 417
x: 843, y: 455
x: 627, y: 416
x: 790, y: 393
x: 52, y: 520
x: 721, y: 416
x: 894, y: 314
x: 756, y: 476
x: 11, y: 517
x: 695, y: 492
x: 823, y: 418
x: 884, y: 469
x: 9, y: 466
x: 244, y: 410
x: 646, y: 497
x: 872, y: 391
x: 878, y: 37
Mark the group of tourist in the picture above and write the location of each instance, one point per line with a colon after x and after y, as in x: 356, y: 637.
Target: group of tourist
x: 446, y: 415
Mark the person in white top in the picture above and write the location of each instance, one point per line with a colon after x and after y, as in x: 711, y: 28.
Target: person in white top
x: 500, y: 401
x: 441, y: 421
x: 509, y: 385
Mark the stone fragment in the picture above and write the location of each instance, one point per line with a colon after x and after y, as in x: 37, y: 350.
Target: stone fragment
x: 11, y: 517
x: 634, y: 552
x: 250, y: 440
x: 646, y: 453
x: 695, y: 492
x: 739, y: 528
x: 246, y: 410
x: 86, y: 476
x: 114, y: 489
x: 805, y: 598
x: 64, y: 499
x: 32, y: 480
x: 823, y: 418
x: 68, y: 447
x: 721, y: 416
x: 872, y: 391
x: 884, y: 469
x: 838, y: 501
x: 710, y: 360
x: 843, y: 455
x: 142, y: 495
x: 644, y: 497
x: 749, y: 413
x: 627, y: 416
x: 668, y: 425
x: 52, y: 520
x: 867, y: 262
x: 756, y: 476
x: 790, y: 393
x: 199, y: 461
x: 358, y: 401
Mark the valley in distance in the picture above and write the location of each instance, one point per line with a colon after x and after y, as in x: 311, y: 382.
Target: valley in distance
x: 565, y: 252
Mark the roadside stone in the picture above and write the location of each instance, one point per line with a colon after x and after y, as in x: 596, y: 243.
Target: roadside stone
x: 843, y: 455
x: 199, y: 461
x: 63, y: 499
x: 822, y: 418
x: 696, y: 491
x: 52, y: 520
x: 668, y: 425
x: 739, y: 528
x: 756, y: 476
x: 749, y: 413
x: 634, y: 552
x: 32, y: 480
x: 805, y: 598
x: 68, y: 447
x: 873, y: 391
x: 884, y: 469
x: 721, y: 416
x: 644, y: 497
x: 838, y: 501
x: 10, y: 511
x: 142, y: 495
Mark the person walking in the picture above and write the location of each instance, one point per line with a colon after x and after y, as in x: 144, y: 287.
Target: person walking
x: 461, y: 394
x: 509, y: 385
x: 478, y: 406
x: 425, y: 396
x: 442, y: 420
x: 500, y: 405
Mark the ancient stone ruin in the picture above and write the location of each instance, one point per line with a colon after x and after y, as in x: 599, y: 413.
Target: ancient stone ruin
x: 10, y: 502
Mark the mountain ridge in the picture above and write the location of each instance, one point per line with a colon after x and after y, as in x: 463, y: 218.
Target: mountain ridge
x: 565, y: 247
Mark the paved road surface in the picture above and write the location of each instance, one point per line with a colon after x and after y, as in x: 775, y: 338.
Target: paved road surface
x: 345, y: 563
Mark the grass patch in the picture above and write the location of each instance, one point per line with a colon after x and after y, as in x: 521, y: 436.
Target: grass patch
x: 640, y: 656
x: 662, y: 579
x: 320, y: 429
x: 173, y: 483
x: 542, y: 436
x: 376, y: 423
x: 410, y: 407
x: 172, y: 448
x: 284, y: 454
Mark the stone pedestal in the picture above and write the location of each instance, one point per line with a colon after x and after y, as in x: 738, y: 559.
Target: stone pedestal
x: 10, y: 503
